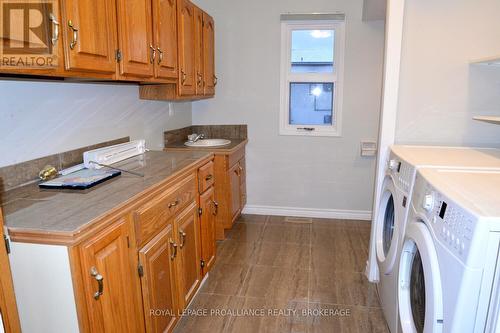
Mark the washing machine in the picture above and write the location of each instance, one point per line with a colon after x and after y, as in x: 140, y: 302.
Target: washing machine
x: 448, y: 274
x: 390, y: 216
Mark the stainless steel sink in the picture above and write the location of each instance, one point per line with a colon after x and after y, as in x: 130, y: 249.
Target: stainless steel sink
x: 208, y: 143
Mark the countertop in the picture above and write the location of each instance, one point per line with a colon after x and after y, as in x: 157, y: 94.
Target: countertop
x: 69, y: 212
x: 233, y: 146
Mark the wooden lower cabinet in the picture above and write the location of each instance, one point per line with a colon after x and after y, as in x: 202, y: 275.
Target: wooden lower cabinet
x: 159, y: 282
x: 209, y: 210
x: 189, y: 262
x: 111, y: 282
x: 230, y: 189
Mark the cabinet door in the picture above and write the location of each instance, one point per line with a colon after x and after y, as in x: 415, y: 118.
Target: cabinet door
x: 135, y: 38
x: 111, y: 282
x: 198, y: 50
x: 209, y: 209
x: 165, y: 36
x: 209, y: 77
x: 186, y: 33
x: 89, y: 31
x: 42, y: 53
x: 189, y: 263
x: 234, y: 179
x: 243, y: 183
x: 159, y: 285
x: 8, y: 307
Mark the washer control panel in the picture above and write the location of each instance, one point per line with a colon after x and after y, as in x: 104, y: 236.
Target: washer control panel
x: 455, y: 226
x: 452, y: 225
x: 402, y: 173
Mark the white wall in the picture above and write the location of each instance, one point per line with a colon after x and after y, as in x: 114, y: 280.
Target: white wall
x: 42, y: 118
x: 439, y: 91
x: 318, y: 174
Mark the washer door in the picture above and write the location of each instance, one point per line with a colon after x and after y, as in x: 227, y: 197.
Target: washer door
x: 419, y: 287
x: 387, y: 225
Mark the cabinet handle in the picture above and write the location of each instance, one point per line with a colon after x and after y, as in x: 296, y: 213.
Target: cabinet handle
x: 183, y: 238
x: 216, y: 205
x: 215, y: 80
x: 153, y: 54
x: 200, y: 78
x: 160, y: 55
x: 173, y: 204
x: 100, y: 282
x: 173, y: 246
x: 73, y: 42
x: 209, y: 177
x: 183, y: 79
x: 55, y: 31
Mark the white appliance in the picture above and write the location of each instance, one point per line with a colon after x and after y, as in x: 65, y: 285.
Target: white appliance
x: 448, y: 265
x: 389, y: 222
x: 97, y: 158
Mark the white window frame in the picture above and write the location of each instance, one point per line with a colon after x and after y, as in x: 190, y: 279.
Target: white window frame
x: 336, y: 77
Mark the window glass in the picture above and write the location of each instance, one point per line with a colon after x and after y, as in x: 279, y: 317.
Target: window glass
x: 312, y: 51
x: 311, y: 103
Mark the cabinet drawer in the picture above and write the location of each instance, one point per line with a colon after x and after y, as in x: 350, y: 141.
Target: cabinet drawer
x: 235, y: 157
x: 153, y: 216
x: 206, y: 176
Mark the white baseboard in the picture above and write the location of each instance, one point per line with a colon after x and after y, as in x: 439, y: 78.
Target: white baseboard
x: 308, y: 212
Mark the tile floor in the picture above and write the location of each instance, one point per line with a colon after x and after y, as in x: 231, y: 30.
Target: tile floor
x: 275, y: 274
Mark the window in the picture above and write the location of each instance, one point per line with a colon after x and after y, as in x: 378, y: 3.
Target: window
x: 312, y: 50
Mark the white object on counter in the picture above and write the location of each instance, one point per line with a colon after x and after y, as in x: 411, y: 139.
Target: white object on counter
x: 113, y: 154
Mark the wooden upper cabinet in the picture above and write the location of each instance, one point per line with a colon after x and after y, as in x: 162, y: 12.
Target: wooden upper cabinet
x: 209, y: 209
x: 189, y: 262
x: 111, y: 283
x: 165, y: 38
x: 89, y: 31
x: 135, y: 38
x: 45, y: 54
x: 198, y: 50
x: 209, y: 78
x: 186, y: 45
x: 159, y: 282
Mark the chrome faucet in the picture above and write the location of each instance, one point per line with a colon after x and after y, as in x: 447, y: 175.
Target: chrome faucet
x: 195, y: 137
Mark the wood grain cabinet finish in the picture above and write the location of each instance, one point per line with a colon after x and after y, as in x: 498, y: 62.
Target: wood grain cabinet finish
x: 198, y: 50
x: 209, y: 210
x: 165, y: 38
x: 51, y: 25
x: 89, y: 31
x: 189, y: 263
x: 230, y: 189
x: 111, y: 283
x: 135, y: 38
x: 186, y: 45
x: 209, y: 78
x: 160, y: 282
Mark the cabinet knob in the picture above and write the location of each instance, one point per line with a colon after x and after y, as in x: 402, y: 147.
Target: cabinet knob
x: 216, y: 206
x: 152, y: 56
x: 173, y: 204
x: 183, y: 79
x: 173, y: 247
x: 55, y: 30
x: 215, y: 80
x: 100, y: 282
x: 74, y: 41
x: 209, y: 177
x: 160, y: 55
x: 183, y: 238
